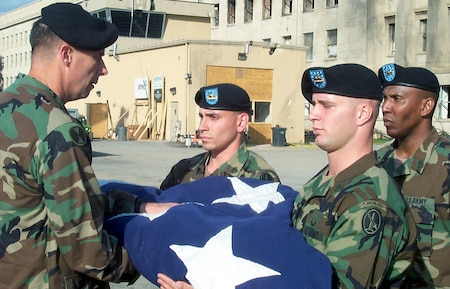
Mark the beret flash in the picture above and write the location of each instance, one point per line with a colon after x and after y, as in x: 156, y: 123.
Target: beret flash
x: 224, y: 96
x: 417, y: 77
x: 78, y: 27
x: 351, y: 80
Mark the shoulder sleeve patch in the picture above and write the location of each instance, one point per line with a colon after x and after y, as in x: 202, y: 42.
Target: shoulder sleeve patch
x: 371, y: 221
x: 78, y: 135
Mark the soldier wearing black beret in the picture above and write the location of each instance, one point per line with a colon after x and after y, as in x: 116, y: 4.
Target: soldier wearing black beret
x: 225, y: 111
x: 51, y: 203
x: 418, y: 159
x: 224, y: 96
x: 346, y: 210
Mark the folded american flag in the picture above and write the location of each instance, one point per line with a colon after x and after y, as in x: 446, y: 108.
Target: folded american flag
x: 227, y: 233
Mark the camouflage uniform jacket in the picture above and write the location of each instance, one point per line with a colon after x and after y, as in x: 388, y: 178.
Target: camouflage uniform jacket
x: 360, y: 220
x: 425, y: 182
x: 51, y: 206
x: 244, y: 163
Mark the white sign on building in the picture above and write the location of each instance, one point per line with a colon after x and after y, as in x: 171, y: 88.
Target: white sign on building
x: 158, y: 82
x: 141, y: 88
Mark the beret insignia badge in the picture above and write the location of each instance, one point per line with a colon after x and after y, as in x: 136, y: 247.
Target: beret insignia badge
x: 389, y: 72
x: 318, y: 78
x: 212, y: 95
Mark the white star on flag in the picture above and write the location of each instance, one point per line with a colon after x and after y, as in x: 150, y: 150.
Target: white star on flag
x: 257, y: 198
x: 203, y: 267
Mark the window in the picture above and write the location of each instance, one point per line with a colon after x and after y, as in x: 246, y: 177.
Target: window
x: 287, y: 7
x: 231, y: 11
x: 332, y: 3
x: 139, y: 24
x: 262, y: 112
x: 287, y: 40
x: 390, y: 23
x: 267, y: 9
x: 216, y: 16
x: 308, y: 40
x: 391, y: 40
x: 248, y: 14
x: 308, y: 5
x: 443, y: 107
x: 268, y: 40
x: 423, y: 35
x: 332, y: 43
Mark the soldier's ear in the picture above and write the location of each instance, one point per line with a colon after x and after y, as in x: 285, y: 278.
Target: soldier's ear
x: 427, y: 106
x: 364, y: 113
x: 66, y: 54
x: 242, y: 121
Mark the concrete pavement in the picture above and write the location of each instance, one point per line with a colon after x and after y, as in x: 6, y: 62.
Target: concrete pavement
x: 148, y: 162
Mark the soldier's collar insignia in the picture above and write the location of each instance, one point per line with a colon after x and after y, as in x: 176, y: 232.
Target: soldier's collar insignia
x: 78, y: 135
x: 389, y: 72
x: 212, y: 95
x: 318, y: 78
x: 371, y: 221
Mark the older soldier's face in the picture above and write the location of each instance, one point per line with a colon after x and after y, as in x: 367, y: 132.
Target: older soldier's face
x: 220, y: 128
x: 333, y: 120
x: 85, y: 69
x: 401, y: 110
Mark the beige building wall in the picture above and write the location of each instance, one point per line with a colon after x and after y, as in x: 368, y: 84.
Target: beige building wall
x: 173, y: 62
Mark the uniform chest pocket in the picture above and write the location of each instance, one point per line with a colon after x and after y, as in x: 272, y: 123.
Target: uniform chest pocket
x: 317, y: 226
x: 423, y: 212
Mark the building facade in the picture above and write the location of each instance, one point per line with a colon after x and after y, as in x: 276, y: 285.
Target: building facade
x: 372, y: 33
x: 167, y: 50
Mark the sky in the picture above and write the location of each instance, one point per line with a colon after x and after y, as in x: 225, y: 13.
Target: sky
x: 7, y: 5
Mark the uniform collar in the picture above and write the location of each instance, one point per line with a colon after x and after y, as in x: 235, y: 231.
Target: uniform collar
x: 418, y: 159
x: 338, y: 182
x: 43, y: 89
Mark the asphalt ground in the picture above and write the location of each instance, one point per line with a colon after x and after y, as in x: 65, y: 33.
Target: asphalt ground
x: 147, y: 162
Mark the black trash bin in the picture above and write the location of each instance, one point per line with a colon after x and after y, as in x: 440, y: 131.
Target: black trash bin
x: 278, y: 136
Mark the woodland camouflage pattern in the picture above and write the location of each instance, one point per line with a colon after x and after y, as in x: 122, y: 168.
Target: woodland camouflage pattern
x: 244, y: 163
x: 361, y: 222
x: 51, y: 207
x: 425, y: 182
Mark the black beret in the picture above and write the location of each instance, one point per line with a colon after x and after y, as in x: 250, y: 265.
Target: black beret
x: 78, y: 27
x: 417, y: 77
x: 352, y: 80
x: 224, y: 96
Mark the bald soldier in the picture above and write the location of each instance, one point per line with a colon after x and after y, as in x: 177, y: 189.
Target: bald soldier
x: 419, y: 160
x: 224, y: 112
x: 352, y: 210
